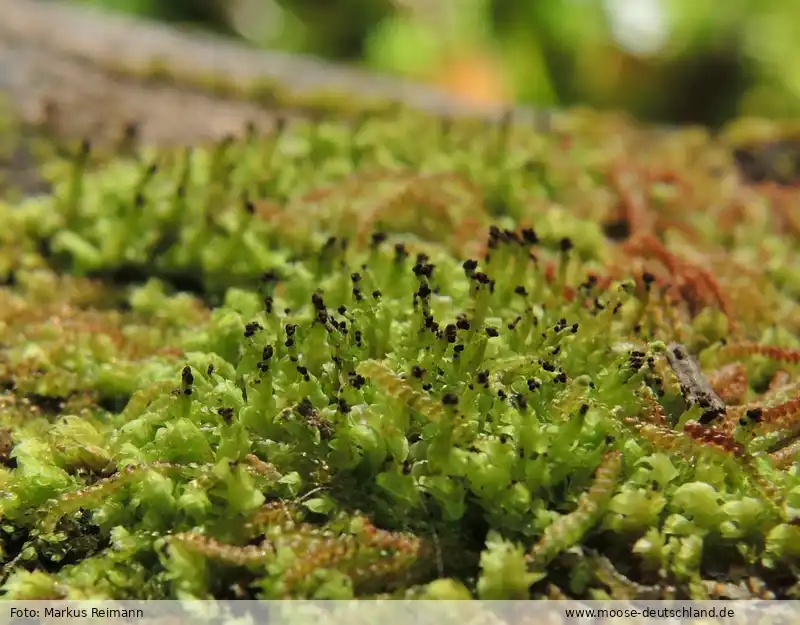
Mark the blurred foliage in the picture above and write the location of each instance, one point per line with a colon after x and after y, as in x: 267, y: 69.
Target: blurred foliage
x: 675, y: 61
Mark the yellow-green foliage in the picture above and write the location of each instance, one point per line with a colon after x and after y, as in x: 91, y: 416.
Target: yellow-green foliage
x: 400, y: 357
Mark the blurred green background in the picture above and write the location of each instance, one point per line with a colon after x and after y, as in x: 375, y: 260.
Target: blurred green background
x: 674, y: 61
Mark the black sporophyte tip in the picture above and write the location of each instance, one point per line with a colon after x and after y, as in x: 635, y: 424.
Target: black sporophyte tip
x: 450, y: 399
x: 186, y: 376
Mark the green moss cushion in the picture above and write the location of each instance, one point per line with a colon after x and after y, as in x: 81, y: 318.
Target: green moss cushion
x: 403, y: 357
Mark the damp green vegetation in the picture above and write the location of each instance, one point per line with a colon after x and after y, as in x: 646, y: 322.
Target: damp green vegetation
x: 403, y: 357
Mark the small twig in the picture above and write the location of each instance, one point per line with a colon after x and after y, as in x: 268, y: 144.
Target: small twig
x: 696, y: 389
x: 313, y: 491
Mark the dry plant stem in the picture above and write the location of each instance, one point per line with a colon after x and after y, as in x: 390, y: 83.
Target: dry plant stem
x: 730, y: 383
x: 783, y: 458
x: 214, y: 549
x: 714, y: 437
x: 773, y: 352
x: 624, y: 588
x: 782, y: 416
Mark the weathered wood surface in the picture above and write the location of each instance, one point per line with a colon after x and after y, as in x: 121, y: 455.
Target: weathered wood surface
x: 80, y: 69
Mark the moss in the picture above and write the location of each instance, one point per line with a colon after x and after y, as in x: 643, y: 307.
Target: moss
x: 401, y: 357
x: 270, y: 93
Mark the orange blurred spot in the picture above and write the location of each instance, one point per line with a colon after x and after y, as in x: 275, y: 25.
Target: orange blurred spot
x: 476, y: 77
